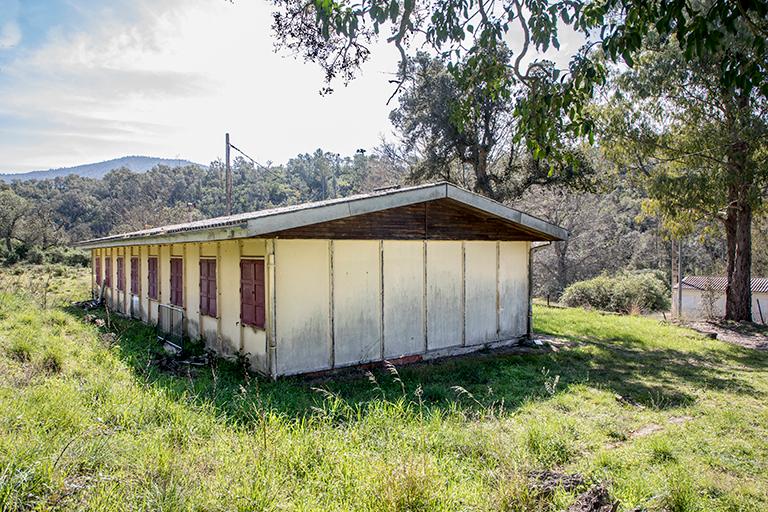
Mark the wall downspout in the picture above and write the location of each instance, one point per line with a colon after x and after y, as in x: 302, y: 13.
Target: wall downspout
x: 529, y: 329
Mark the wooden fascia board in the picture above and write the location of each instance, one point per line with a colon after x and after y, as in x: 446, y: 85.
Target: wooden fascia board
x: 327, y: 213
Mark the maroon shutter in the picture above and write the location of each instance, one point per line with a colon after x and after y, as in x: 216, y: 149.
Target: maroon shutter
x: 97, y: 269
x: 177, y: 284
x: 108, y: 272
x: 208, y: 287
x: 121, y: 274
x: 135, y: 276
x: 152, y: 277
x: 212, y: 288
x: 203, y: 287
x: 252, y: 310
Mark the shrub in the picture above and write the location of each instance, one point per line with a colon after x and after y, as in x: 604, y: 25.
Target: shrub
x: 622, y: 293
x: 67, y: 256
x: 35, y: 256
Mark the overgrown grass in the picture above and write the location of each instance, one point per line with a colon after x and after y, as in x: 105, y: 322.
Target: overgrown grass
x: 88, y: 421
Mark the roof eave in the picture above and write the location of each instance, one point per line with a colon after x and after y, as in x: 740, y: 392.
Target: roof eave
x: 279, y: 221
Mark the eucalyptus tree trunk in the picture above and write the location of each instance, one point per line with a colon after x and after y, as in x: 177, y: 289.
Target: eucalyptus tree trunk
x: 738, y: 228
x: 738, y: 295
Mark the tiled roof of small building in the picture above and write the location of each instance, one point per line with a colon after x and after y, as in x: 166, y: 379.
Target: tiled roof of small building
x: 718, y: 283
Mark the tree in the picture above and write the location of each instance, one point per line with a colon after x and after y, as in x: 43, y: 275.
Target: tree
x: 337, y: 34
x: 699, y: 149
x: 12, y: 210
x: 450, y: 120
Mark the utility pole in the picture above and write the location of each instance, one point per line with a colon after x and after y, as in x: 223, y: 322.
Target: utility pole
x: 228, y: 176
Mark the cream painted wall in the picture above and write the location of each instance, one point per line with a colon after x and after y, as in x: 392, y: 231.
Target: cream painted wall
x: 513, y: 288
x: 444, y: 294
x: 110, y: 291
x: 120, y: 294
x: 341, y: 303
x: 192, y: 289
x: 356, y: 301
x: 302, y: 307
x: 164, y: 274
x: 403, y: 298
x: 154, y: 251
x: 480, y: 299
x: 695, y: 305
x: 228, y: 287
x: 143, y: 282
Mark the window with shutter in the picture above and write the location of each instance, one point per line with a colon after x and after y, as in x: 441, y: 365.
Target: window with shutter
x: 208, y: 287
x: 120, y: 274
x: 97, y: 269
x: 252, y: 296
x: 177, y: 282
x: 108, y: 271
x: 152, y: 277
x: 135, y: 276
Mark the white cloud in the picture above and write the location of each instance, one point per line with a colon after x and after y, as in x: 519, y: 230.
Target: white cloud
x: 10, y: 35
x: 190, y: 70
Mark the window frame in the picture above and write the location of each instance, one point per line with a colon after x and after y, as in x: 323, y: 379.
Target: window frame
x: 108, y: 272
x: 121, y: 273
x: 177, y: 290
x: 206, y: 297
x: 97, y: 269
x: 153, y: 266
x: 259, y: 307
x: 135, y: 275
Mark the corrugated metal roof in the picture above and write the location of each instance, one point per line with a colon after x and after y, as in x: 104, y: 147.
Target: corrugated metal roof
x: 330, y: 209
x: 719, y: 283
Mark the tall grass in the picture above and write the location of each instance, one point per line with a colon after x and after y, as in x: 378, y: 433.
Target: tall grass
x: 90, y: 421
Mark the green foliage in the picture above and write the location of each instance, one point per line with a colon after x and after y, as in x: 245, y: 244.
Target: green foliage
x: 622, y: 293
x: 696, y: 147
x: 553, y: 103
x: 451, y: 118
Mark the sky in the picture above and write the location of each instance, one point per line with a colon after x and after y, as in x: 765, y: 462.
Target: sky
x: 88, y: 80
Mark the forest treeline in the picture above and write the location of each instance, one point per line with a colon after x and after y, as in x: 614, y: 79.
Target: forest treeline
x: 608, y: 230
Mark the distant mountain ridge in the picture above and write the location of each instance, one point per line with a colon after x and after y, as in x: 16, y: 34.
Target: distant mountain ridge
x: 99, y: 169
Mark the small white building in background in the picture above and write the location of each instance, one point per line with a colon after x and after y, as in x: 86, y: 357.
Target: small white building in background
x: 704, y: 297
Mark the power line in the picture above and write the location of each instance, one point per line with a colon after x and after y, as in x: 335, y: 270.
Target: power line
x: 254, y: 162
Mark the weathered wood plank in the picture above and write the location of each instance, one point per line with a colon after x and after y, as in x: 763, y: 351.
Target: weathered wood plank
x: 442, y: 219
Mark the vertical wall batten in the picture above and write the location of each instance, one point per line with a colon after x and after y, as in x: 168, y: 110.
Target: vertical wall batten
x: 424, y: 297
x: 498, y: 300
x: 330, y: 305
x: 219, y: 301
x: 241, y: 343
x: 381, y: 299
x: 463, y: 293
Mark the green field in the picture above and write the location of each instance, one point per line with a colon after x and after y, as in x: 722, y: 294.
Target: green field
x: 94, y: 418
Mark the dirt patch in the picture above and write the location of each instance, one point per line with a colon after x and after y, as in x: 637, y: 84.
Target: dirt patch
x: 553, y: 343
x: 596, y: 499
x: 646, y: 430
x: 679, y: 420
x: 744, y: 334
x: 547, y: 482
